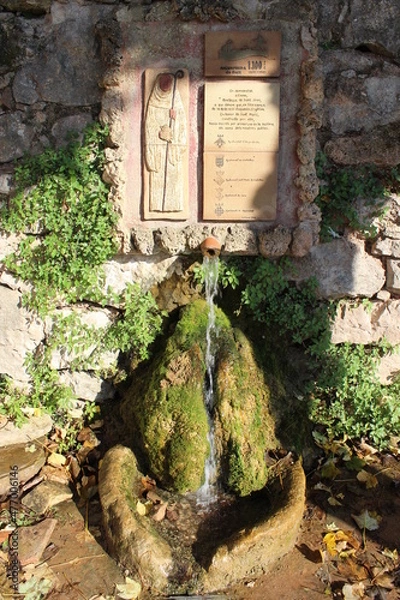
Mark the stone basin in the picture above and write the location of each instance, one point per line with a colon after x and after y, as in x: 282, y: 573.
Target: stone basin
x: 257, y: 544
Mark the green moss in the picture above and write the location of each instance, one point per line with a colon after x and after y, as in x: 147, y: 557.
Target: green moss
x: 242, y: 410
x: 192, y: 327
x: 167, y: 407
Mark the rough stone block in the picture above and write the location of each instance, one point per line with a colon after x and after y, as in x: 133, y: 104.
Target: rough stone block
x: 393, y: 275
x: 32, y: 541
x: 342, y: 268
x: 361, y: 325
x: 20, y: 333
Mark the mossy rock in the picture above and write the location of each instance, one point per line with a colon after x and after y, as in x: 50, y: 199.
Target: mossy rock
x: 243, y: 423
x: 166, y: 407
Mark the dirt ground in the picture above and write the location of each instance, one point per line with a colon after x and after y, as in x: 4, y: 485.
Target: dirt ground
x: 334, y: 556
x: 349, y: 539
x: 347, y: 548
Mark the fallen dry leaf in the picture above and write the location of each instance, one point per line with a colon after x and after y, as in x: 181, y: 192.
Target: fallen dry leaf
x: 329, y: 469
x: 382, y: 578
x: 351, y: 570
x: 353, y: 591
x: 73, y: 467
x: 365, y: 520
x: 330, y: 543
x: 392, y: 554
x: 337, y: 542
x: 333, y: 501
x: 130, y: 590
x: 155, y: 498
x: 30, y: 448
x: 355, y: 463
x: 159, y: 515
x: 56, y: 460
x: 322, y: 487
x: 143, y: 508
x: 367, y: 478
x: 148, y: 483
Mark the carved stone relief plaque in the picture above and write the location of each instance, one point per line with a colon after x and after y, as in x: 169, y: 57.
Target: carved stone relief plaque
x: 241, y: 143
x: 242, y: 53
x: 165, y: 144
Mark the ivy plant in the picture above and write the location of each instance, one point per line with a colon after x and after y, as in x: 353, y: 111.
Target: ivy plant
x: 67, y: 228
x: 341, y: 188
x: 61, y: 208
x: 341, y: 388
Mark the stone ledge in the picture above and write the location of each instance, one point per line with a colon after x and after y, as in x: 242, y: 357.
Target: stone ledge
x: 253, y: 552
x: 249, y: 552
x: 236, y: 239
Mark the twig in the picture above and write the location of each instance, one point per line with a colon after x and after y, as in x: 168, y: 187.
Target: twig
x: 76, y: 588
x: 77, y: 559
x: 32, y: 483
x: 87, y: 515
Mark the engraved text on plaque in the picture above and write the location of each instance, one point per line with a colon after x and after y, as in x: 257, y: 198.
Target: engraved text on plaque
x: 241, y: 143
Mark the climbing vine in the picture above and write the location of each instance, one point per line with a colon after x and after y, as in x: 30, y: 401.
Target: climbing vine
x: 341, y: 389
x: 67, y: 230
x: 61, y: 207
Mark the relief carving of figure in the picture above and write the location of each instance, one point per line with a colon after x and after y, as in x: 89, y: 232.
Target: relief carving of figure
x: 165, y: 142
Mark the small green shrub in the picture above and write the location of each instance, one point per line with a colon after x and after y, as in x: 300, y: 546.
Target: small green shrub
x: 229, y: 273
x: 341, y: 187
x: 61, y: 208
x: 348, y: 398
x: 45, y: 393
x: 272, y: 299
x: 137, y: 324
x: 341, y: 389
x: 61, y: 205
x: 133, y: 331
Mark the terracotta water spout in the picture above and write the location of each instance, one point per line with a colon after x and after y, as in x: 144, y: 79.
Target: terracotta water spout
x: 210, y: 247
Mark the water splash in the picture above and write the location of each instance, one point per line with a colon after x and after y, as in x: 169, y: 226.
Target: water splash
x: 208, y: 491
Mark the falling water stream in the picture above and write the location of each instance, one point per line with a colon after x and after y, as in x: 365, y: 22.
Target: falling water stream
x: 208, y: 491
x: 201, y: 523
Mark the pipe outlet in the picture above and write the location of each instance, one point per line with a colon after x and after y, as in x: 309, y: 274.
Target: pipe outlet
x: 210, y: 247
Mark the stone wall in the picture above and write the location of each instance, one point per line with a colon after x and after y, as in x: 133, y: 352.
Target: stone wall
x: 64, y: 64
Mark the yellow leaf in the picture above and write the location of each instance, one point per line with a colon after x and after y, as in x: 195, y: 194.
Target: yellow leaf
x: 330, y: 543
x: 333, y: 502
x: 341, y: 536
x: 143, y: 508
x: 345, y: 554
x: 31, y: 448
x: 130, y: 590
x: 367, y: 478
x: 56, y: 460
x: 393, y: 554
x: 336, y: 542
x: 353, y: 592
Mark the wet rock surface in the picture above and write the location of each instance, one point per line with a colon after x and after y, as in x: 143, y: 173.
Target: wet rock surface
x: 193, y: 548
x: 164, y: 409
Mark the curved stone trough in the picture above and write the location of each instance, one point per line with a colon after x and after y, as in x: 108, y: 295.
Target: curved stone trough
x: 252, y: 550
